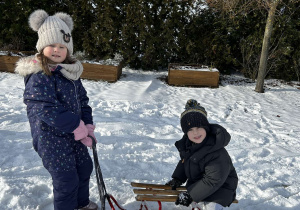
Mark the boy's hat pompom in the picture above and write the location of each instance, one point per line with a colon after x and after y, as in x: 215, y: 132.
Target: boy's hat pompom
x: 194, y: 115
x: 52, y: 29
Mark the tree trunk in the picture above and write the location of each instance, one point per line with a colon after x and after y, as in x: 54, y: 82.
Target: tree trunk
x: 265, y: 48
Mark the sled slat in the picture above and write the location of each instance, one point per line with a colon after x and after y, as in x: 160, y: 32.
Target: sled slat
x: 156, y: 192
x: 155, y: 186
x: 161, y: 198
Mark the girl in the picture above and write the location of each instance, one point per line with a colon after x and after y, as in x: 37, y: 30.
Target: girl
x: 205, y: 164
x: 58, y: 111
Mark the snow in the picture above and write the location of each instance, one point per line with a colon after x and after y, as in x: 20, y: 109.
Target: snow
x: 137, y: 121
x: 193, y: 68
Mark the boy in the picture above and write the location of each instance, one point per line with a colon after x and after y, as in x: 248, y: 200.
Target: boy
x: 205, y: 164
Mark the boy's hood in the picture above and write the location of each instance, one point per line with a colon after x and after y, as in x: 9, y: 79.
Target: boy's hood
x: 217, y: 138
x: 27, y: 65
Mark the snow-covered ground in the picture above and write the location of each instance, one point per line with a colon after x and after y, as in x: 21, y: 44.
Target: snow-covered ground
x: 137, y: 121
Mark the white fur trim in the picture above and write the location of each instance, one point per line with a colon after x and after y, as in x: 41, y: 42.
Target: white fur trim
x: 27, y: 65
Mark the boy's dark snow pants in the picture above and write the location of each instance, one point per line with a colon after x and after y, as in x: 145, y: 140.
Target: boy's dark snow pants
x: 71, y: 188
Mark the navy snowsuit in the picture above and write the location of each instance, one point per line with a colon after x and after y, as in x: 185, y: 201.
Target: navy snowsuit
x: 207, y: 167
x: 55, y: 106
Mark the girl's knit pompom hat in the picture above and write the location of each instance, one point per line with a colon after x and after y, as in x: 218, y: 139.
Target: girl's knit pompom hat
x: 52, y: 29
x: 193, y: 116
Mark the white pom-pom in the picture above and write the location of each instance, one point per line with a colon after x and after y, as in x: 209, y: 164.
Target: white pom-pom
x: 66, y: 18
x: 37, y: 18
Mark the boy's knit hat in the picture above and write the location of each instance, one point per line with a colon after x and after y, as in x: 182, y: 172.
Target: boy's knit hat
x: 52, y: 29
x: 193, y: 116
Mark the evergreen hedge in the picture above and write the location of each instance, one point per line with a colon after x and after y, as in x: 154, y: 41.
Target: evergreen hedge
x: 151, y: 34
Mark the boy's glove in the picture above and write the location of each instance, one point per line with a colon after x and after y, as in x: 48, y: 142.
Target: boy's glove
x: 184, y: 199
x: 174, y: 183
x: 81, y: 131
x: 87, y: 141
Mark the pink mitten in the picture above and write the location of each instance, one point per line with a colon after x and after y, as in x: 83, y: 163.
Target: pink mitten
x: 88, y: 141
x: 81, y: 131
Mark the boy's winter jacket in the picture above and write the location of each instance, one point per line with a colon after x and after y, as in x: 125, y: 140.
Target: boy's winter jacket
x: 207, y: 167
x: 55, y: 106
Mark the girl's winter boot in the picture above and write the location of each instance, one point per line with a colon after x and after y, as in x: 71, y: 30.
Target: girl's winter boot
x: 90, y: 206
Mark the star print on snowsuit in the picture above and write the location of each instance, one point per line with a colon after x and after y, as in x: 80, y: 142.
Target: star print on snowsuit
x: 55, y: 106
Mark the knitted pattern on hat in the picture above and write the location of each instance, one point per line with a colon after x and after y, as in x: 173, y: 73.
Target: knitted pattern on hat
x: 52, y: 29
x: 194, y: 115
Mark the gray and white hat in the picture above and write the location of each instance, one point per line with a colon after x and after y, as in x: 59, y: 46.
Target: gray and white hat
x: 52, y: 29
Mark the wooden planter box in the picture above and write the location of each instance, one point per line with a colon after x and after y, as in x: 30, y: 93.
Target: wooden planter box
x: 108, y: 73
x: 192, y: 75
x: 8, y: 63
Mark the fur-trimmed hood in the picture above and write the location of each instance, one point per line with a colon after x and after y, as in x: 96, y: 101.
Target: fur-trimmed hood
x: 28, y: 65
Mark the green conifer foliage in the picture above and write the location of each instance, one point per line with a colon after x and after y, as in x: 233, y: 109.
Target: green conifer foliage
x: 151, y: 34
x: 152, y: 31
x: 132, y: 33
x: 83, y: 14
x: 14, y: 29
x: 284, y: 56
x: 105, y: 28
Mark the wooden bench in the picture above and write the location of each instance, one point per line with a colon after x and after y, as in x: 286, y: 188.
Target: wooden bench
x: 156, y: 192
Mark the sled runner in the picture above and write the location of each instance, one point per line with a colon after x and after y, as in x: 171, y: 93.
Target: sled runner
x: 159, y: 193
x: 100, y: 182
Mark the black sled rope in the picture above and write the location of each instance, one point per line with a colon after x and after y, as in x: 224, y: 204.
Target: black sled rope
x: 100, y: 182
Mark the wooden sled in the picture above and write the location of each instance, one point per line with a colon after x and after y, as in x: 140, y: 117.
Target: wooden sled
x: 159, y: 193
